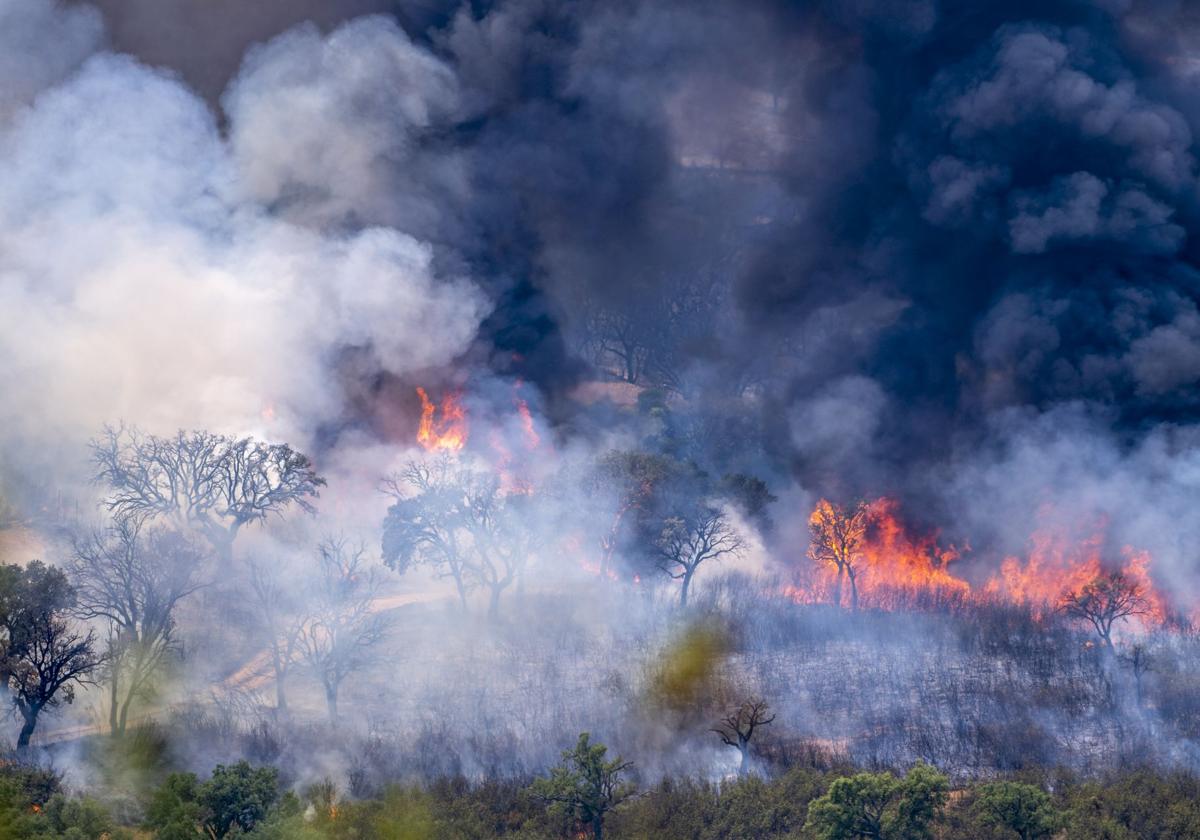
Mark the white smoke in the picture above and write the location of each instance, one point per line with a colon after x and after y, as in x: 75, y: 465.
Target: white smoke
x: 144, y: 277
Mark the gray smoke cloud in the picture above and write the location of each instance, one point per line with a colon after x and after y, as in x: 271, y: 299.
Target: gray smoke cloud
x: 146, y: 275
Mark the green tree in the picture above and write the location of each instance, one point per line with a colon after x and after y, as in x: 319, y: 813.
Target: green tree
x: 174, y: 809
x: 585, y: 785
x: 1024, y: 809
x: 42, y: 658
x: 238, y: 795
x: 879, y: 806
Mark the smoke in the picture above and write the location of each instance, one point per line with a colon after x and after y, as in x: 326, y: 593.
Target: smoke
x: 146, y: 277
x: 933, y: 250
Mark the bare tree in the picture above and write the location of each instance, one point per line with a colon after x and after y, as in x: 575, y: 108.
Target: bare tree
x: 1138, y: 659
x: 837, y: 536
x: 422, y: 525
x: 278, y: 615
x: 341, y: 627
x: 132, y: 578
x: 1105, y: 600
x: 213, y: 483
x: 737, y: 728
x: 688, y: 540
x: 462, y: 522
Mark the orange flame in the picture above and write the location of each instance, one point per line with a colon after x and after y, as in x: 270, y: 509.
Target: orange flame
x: 890, y: 564
x: 1058, y: 566
x: 894, y: 568
x: 447, y: 433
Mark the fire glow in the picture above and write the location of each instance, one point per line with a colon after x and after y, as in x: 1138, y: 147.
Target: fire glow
x: 892, y: 568
x: 443, y: 428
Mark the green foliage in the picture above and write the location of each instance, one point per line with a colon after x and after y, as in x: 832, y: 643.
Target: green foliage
x: 1023, y: 809
x: 234, y: 800
x: 238, y: 795
x: 879, y: 805
x: 585, y: 785
x: 174, y: 810
x: 1143, y: 804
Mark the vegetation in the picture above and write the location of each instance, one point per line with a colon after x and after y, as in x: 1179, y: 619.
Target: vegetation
x: 590, y: 796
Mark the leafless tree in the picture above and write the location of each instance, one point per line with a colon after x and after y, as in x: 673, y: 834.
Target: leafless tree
x: 212, y: 483
x: 1105, y: 600
x: 703, y: 533
x: 132, y: 577
x: 737, y: 728
x: 837, y: 536
x: 1138, y: 659
x: 278, y: 615
x: 342, y: 625
x: 462, y: 522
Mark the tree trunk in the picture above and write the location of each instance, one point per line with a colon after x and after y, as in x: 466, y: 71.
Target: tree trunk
x: 744, y: 749
x: 837, y: 587
x: 331, y: 700
x: 687, y: 584
x: 125, y: 712
x: 853, y: 592
x: 598, y: 827
x: 30, y: 714
x: 280, y: 677
x: 113, y: 701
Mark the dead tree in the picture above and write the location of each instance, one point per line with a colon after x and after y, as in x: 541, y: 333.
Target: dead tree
x: 1138, y: 659
x: 132, y: 578
x: 277, y: 613
x: 1105, y: 600
x: 837, y: 536
x: 737, y: 728
x: 463, y: 523
x: 208, y: 482
x: 342, y: 626
x: 687, y: 541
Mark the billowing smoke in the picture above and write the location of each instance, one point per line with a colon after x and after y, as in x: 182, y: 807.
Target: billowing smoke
x: 151, y: 271
x: 930, y: 250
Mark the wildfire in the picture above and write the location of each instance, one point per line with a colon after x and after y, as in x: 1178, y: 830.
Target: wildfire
x: 1059, y: 565
x: 891, y: 566
x: 442, y: 428
x: 888, y: 563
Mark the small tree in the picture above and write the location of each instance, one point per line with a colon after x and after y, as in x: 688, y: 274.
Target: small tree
x: 688, y: 540
x: 585, y: 786
x: 737, y: 728
x: 213, y: 483
x: 1024, y: 809
x: 338, y: 634
x: 1138, y: 659
x: 278, y: 616
x: 132, y: 578
x: 462, y: 522
x: 1105, y: 600
x: 879, y: 806
x: 837, y: 535
x: 54, y: 661
x: 231, y: 803
x: 237, y: 796
x: 43, y: 658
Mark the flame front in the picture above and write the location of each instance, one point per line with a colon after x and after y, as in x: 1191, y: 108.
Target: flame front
x: 442, y: 428
x: 894, y: 568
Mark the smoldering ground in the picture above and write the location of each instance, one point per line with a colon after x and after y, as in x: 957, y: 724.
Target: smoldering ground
x: 937, y: 251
